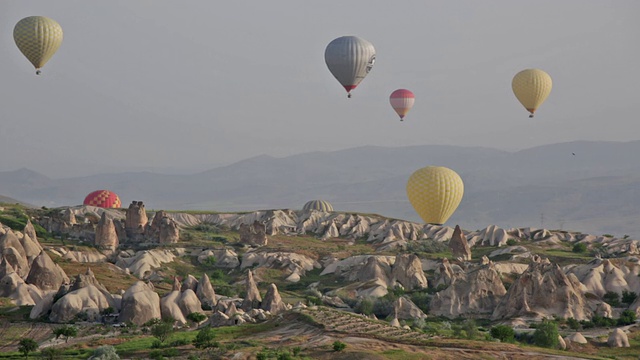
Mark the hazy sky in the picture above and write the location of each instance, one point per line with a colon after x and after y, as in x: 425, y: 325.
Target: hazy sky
x: 187, y: 85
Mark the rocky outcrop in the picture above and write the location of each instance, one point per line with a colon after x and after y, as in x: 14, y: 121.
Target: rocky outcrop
x: 290, y: 262
x: 374, y: 270
x: 143, y: 263
x: 136, y: 219
x: 140, y: 303
x: 475, y: 292
x: 459, y: 246
x: 225, y: 258
x: 407, y: 272
x: 253, y: 234
x: 190, y: 282
x: 45, y: 274
x: 14, y: 261
x: 405, y: 309
x: 106, y: 235
x: 170, y: 309
x: 13, y: 287
x: 88, y: 301
x: 272, y: 301
x: 253, y: 299
x: 601, y: 276
x: 542, y: 291
x: 618, y: 338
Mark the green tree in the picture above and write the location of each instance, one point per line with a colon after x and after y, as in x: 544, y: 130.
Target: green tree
x: 546, y: 334
x: 503, y: 333
x: 162, y: 331
x: 612, y: 298
x: 67, y: 331
x: 579, y: 248
x: 365, y: 307
x: 339, y: 346
x: 27, y: 345
x: 205, y: 339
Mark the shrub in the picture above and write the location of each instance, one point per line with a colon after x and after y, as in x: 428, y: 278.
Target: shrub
x: 627, y: 317
x: 106, y: 352
x: 205, y: 339
x: 162, y: 331
x: 503, y: 333
x: 51, y: 353
x: 612, y: 298
x: 511, y: 242
x: 579, y: 248
x: 196, y: 317
x: 339, y: 346
x: 573, y: 323
x: 470, y: 328
x: 546, y: 335
x: 628, y: 297
x: 364, y: 307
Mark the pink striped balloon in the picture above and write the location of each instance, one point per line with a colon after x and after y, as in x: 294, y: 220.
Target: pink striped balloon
x: 402, y: 101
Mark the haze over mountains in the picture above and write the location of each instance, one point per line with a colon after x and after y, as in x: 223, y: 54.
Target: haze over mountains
x: 592, y: 187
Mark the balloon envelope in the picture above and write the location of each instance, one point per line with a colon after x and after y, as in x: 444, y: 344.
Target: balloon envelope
x: 531, y: 87
x: 38, y: 38
x: 319, y: 205
x: 435, y: 192
x: 402, y: 101
x: 103, y: 199
x: 350, y: 58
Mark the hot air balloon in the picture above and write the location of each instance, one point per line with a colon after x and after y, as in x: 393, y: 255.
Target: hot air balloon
x: 402, y: 101
x: 435, y: 192
x: 319, y: 205
x: 350, y: 58
x: 103, y: 199
x: 38, y: 38
x: 531, y: 87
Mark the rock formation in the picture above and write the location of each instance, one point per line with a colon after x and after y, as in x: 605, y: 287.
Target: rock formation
x: 190, y: 282
x: 577, y: 338
x: 224, y: 258
x: 618, y: 338
x: 253, y: 299
x: 13, y: 287
x: 374, y: 269
x: 140, y: 303
x: 475, y: 292
x: 106, y: 235
x: 136, y: 219
x: 254, y: 234
x: 407, y: 271
x: 405, y: 309
x: 543, y: 290
x: 45, y: 274
x: 272, y: 301
x: 205, y: 292
x: 169, y: 232
x: 87, y: 302
x: 459, y: 246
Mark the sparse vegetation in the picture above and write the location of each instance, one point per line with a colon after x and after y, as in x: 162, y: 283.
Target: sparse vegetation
x: 339, y: 346
x: 27, y: 346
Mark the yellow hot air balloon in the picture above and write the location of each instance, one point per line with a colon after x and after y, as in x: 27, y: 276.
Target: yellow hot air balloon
x: 531, y: 87
x: 38, y: 38
x: 435, y: 192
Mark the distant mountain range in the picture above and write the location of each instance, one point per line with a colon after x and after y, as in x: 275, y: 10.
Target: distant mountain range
x: 588, y: 186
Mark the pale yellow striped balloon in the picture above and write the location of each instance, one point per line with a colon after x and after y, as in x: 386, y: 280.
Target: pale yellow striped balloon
x: 531, y: 87
x: 38, y: 38
x: 435, y: 193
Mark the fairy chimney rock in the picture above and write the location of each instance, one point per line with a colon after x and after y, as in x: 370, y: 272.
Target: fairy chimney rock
x: 253, y: 298
x: 106, y: 235
x: 169, y: 231
x: 136, y: 218
x: 459, y: 245
x: 272, y: 301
